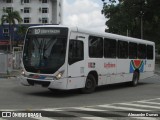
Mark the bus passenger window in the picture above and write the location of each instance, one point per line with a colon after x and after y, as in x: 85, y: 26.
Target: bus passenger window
x: 132, y: 50
x: 122, y: 49
x: 150, y: 52
x: 142, y: 51
x: 95, y: 47
x: 76, y: 51
x: 110, y: 46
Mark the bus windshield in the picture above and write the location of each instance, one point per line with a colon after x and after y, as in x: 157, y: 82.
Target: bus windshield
x: 44, y: 53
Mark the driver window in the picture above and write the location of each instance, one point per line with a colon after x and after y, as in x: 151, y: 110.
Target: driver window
x: 76, y: 51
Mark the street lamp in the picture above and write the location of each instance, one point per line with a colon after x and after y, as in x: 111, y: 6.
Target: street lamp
x: 141, y: 24
x: 142, y: 4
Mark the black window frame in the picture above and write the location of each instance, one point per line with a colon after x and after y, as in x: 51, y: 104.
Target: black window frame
x: 9, y: 9
x: 98, y: 48
x: 44, y: 20
x: 9, y: 1
x: 26, y: 10
x: 45, y: 10
x: 26, y: 1
x: 110, y: 48
x: 71, y: 58
x: 44, y: 1
x: 27, y: 20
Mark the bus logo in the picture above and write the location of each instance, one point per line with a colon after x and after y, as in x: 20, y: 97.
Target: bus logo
x: 136, y: 64
x: 37, y: 31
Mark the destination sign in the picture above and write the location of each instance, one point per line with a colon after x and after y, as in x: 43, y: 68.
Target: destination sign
x: 48, y: 31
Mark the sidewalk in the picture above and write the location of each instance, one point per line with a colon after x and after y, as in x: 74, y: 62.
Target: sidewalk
x: 14, y: 73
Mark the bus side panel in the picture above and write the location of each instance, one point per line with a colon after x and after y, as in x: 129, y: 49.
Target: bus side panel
x: 149, y: 71
x: 110, y: 67
x: 123, y: 73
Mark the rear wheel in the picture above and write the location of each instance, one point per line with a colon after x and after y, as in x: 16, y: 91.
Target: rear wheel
x: 90, y: 84
x: 135, y: 79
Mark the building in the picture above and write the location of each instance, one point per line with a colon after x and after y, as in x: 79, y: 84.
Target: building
x: 33, y: 12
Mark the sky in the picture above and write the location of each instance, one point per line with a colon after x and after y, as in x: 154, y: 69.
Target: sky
x: 84, y: 13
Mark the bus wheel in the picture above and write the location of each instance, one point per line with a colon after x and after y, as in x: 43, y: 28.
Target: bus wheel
x: 90, y: 84
x: 135, y: 79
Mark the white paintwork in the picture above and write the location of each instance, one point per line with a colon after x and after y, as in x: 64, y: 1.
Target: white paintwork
x: 75, y: 75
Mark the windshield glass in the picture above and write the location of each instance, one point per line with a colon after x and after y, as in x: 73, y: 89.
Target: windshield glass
x: 44, y: 53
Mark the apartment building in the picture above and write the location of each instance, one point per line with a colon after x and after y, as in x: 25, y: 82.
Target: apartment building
x: 33, y: 12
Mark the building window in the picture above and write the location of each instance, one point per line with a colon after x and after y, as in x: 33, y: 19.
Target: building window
x: 27, y: 20
x: 26, y: 1
x: 44, y: 10
x: 44, y: 20
x: 5, y: 30
x: 27, y: 10
x: 9, y: 9
x: 9, y: 1
x: 95, y: 47
x: 44, y: 1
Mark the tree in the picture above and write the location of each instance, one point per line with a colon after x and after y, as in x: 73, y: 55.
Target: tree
x: 135, y: 17
x: 22, y: 31
x: 11, y: 17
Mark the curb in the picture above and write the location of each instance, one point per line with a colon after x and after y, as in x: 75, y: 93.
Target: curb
x: 12, y: 74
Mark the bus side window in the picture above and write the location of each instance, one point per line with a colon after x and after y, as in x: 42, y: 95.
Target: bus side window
x: 110, y: 48
x: 142, y: 51
x: 76, y: 51
x: 122, y: 49
x: 149, y: 52
x: 132, y: 50
x: 95, y: 47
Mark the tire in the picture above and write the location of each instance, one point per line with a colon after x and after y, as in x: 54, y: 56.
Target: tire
x: 90, y: 85
x: 135, y: 79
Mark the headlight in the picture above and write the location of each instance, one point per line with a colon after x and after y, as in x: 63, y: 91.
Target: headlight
x: 23, y: 73
x: 59, y: 75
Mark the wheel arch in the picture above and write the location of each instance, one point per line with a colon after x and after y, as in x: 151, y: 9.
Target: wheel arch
x: 95, y: 74
x: 137, y: 70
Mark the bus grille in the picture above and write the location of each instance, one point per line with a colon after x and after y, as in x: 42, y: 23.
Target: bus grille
x: 43, y: 83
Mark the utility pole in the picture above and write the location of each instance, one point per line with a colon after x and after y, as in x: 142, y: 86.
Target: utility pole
x: 141, y: 24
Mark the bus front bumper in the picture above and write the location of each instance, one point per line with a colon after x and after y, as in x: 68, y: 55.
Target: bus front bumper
x: 51, y: 84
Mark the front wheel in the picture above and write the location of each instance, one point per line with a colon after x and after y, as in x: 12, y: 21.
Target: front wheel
x: 135, y: 79
x: 90, y: 84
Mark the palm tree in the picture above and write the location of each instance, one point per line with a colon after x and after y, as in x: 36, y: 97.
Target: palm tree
x: 11, y: 17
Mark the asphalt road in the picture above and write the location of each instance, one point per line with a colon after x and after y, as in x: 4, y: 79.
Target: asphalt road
x: 15, y: 96
x: 112, y: 102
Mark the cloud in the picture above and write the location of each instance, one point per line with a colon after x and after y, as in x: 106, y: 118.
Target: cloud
x: 84, y: 13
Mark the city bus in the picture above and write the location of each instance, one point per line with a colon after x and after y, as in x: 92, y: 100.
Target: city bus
x: 65, y: 58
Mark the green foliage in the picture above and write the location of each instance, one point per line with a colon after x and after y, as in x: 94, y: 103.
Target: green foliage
x: 11, y: 17
x: 22, y: 30
x: 126, y: 15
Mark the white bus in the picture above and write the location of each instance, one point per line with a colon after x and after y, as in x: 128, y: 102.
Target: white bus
x: 60, y: 57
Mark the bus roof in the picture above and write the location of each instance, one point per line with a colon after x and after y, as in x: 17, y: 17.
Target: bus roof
x: 100, y: 34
